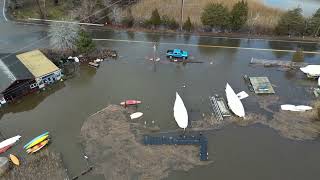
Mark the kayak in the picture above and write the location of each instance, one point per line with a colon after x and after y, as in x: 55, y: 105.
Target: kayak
x: 4, y: 149
x: 37, y: 141
x: 14, y: 159
x: 37, y: 147
x: 9, y: 141
x: 130, y: 102
x: 34, y: 139
x: 136, y: 115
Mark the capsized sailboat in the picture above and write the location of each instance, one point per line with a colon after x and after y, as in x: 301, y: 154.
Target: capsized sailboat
x: 234, y: 102
x: 180, y: 112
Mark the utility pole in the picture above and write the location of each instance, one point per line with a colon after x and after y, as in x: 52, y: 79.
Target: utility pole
x: 181, y: 19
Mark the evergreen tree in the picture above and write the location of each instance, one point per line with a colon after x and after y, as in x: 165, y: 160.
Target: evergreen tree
x: 239, y: 15
x: 291, y: 23
x: 155, y: 19
x: 215, y: 15
x: 314, y: 24
x: 85, y: 43
x: 187, y: 26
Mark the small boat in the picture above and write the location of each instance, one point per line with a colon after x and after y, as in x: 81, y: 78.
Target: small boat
x: 180, y: 112
x: 9, y: 141
x: 311, y: 70
x: 14, y: 159
x: 136, y: 115
x: 38, y: 146
x: 37, y: 141
x: 299, y: 108
x: 4, y: 149
x: 34, y: 139
x: 130, y: 102
x: 234, y: 102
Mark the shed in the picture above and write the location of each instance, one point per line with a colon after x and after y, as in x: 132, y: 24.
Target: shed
x: 261, y: 85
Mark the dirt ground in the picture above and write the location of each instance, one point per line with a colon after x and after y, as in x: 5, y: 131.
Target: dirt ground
x: 114, y: 147
x: 42, y: 165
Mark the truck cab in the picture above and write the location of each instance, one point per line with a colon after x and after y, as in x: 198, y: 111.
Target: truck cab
x: 177, y: 53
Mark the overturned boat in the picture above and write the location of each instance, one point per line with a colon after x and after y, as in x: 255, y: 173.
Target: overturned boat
x: 180, y: 112
x: 234, y: 102
x: 311, y: 70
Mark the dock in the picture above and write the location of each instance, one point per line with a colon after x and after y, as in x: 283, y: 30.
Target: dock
x: 180, y: 140
x: 219, y: 107
x: 261, y: 85
x: 271, y: 63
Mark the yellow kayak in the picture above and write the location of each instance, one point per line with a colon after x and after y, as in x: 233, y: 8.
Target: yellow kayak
x: 38, y: 146
x: 37, y: 141
x: 14, y: 159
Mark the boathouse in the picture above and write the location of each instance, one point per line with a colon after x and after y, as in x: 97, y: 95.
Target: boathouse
x: 25, y: 73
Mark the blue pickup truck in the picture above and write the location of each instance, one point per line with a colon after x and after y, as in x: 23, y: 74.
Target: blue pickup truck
x: 177, y: 53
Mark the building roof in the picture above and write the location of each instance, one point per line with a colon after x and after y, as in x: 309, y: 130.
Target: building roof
x: 37, y: 63
x: 11, y: 69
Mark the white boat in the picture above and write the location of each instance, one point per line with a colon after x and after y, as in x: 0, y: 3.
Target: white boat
x: 9, y: 141
x: 180, y: 112
x: 311, y: 70
x: 136, y: 115
x: 299, y: 108
x: 234, y: 102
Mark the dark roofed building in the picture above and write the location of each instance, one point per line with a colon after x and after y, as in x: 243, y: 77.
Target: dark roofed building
x: 15, y: 79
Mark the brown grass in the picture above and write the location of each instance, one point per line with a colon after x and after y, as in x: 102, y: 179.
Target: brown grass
x: 259, y: 14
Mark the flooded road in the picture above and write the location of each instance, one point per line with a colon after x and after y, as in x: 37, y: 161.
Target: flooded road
x: 254, y: 152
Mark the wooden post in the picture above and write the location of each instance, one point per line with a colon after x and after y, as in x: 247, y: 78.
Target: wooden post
x: 181, y: 19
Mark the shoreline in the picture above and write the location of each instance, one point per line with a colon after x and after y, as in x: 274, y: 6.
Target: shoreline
x: 232, y: 35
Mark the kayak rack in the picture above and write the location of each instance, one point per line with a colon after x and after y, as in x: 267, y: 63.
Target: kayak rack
x: 180, y: 140
x: 219, y: 107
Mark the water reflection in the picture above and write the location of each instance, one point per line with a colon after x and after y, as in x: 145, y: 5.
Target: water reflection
x: 31, y: 101
x: 277, y: 45
x: 203, y: 40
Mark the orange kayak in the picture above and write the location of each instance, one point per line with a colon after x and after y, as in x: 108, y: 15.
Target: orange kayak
x: 14, y: 159
x: 37, y: 147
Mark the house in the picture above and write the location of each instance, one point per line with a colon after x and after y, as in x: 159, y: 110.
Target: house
x: 43, y: 70
x: 25, y: 73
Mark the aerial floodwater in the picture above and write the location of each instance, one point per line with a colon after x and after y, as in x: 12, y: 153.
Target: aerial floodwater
x: 309, y: 7
x: 251, y: 153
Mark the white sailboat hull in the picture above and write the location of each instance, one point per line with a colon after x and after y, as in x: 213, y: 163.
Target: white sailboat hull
x: 180, y: 112
x: 9, y: 141
x: 234, y: 102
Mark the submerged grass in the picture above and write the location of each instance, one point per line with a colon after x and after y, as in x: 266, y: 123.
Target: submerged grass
x: 259, y: 14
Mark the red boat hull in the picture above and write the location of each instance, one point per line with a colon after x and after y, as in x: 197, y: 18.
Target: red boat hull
x: 130, y: 102
x: 4, y: 149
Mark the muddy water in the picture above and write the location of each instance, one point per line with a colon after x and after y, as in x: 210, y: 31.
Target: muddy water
x: 254, y: 152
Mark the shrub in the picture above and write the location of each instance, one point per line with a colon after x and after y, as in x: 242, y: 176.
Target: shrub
x: 168, y: 22
x: 291, y: 23
x: 128, y: 20
x: 187, y: 26
x: 85, y: 43
x: 314, y: 24
x: 155, y: 19
x: 215, y: 15
x: 239, y: 15
x: 298, y: 56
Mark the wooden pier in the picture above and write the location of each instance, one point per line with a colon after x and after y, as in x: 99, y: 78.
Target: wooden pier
x: 271, y: 63
x: 219, y: 107
x: 180, y: 140
x: 261, y: 85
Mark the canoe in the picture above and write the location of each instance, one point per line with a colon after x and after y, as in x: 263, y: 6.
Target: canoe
x: 34, y: 139
x: 14, y: 159
x: 38, y: 146
x: 37, y: 141
x: 9, y: 141
x: 130, y: 102
x: 4, y: 149
x: 234, y: 102
x: 136, y: 115
x: 180, y: 112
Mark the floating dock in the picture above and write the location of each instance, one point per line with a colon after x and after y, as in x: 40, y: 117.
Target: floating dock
x: 219, y: 107
x: 180, y: 140
x: 261, y: 85
x: 270, y: 63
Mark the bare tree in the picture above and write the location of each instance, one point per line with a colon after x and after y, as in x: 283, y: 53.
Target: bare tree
x: 63, y: 36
